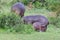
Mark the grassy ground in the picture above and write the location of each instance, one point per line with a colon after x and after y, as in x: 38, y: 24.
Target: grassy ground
x: 52, y: 32
x: 37, y: 12
x: 35, y: 36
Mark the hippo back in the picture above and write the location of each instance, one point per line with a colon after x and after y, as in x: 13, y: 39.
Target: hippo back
x: 35, y: 18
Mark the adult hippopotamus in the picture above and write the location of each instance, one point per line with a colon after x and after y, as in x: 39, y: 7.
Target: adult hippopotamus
x: 18, y: 8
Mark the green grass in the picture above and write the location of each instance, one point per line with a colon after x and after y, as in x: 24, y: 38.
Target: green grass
x: 34, y: 36
x: 37, y: 12
x: 52, y: 33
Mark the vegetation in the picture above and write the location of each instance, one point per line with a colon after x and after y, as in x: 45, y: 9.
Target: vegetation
x: 52, y: 6
x: 51, y: 34
x: 11, y: 23
x: 11, y: 27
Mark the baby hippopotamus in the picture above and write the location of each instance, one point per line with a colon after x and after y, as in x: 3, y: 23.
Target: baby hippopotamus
x: 18, y: 8
x: 39, y: 22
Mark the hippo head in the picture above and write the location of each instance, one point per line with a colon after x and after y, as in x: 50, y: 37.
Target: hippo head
x: 39, y: 27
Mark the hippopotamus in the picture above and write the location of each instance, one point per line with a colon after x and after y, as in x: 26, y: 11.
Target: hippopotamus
x: 18, y: 8
x: 39, y: 22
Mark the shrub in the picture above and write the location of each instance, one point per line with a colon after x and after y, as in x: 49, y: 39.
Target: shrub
x: 37, y: 4
x: 25, y: 1
x: 25, y: 29
x: 53, y: 4
x: 13, y: 23
x: 55, y: 20
x: 9, y: 20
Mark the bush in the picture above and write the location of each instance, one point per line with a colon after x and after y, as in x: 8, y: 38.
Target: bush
x: 25, y: 1
x: 55, y: 20
x: 26, y: 29
x: 9, y: 20
x: 37, y: 4
x: 13, y: 23
x: 53, y: 4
